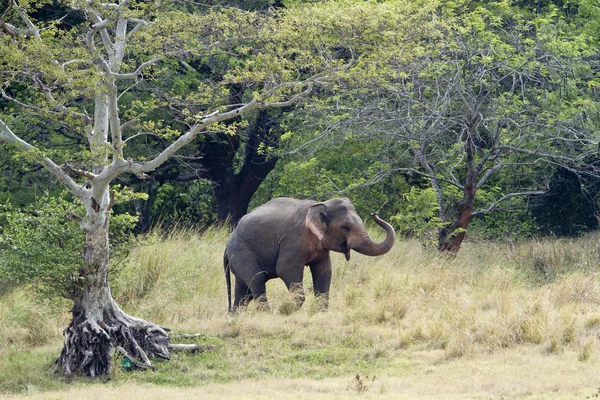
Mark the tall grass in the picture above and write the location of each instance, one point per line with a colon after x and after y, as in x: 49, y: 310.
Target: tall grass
x: 490, y: 296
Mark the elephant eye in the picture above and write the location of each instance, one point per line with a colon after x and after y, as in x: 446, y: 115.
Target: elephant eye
x: 345, y: 228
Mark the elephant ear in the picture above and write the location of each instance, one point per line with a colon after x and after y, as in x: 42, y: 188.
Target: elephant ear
x: 316, y: 220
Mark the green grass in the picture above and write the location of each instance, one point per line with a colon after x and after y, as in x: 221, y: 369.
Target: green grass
x: 409, y: 316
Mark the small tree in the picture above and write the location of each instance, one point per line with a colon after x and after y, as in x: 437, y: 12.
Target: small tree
x: 77, y: 77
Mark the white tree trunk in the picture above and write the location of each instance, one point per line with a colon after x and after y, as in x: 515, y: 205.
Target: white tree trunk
x: 99, y: 326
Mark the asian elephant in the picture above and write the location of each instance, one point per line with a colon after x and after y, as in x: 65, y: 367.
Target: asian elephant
x: 281, y: 237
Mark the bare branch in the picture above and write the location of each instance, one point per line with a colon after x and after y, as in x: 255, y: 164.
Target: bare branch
x: 75, y: 61
x: 103, y: 34
x: 102, y: 24
x: 78, y: 172
x: 137, y: 134
x: 482, y: 181
x: 548, y: 156
x: 12, y: 99
x: 7, y: 135
x: 7, y: 27
x: 31, y: 28
x: 506, y: 197
x: 140, y: 168
x: 139, y: 24
x: 280, y: 104
x: 138, y: 71
x: 190, y: 347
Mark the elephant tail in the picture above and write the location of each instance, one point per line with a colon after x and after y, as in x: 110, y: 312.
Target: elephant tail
x: 227, y: 279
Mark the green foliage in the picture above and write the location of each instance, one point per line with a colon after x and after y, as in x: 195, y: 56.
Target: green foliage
x: 569, y: 208
x: 339, y: 170
x: 41, y: 247
x: 419, y: 216
x: 183, y: 204
x: 514, y: 222
x: 494, y: 103
x: 399, y: 54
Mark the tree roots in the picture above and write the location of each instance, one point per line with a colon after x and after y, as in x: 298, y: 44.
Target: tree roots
x: 90, y: 341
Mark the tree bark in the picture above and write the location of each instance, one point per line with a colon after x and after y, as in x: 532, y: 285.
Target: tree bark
x: 449, y: 239
x: 233, y: 190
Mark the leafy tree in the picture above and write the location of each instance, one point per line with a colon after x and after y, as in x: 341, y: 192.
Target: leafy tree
x: 419, y: 215
x: 335, y: 170
x: 236, y: 165
x: 75, y: 78
x: 41, y: 247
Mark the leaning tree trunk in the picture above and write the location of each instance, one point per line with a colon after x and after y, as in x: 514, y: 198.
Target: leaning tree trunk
x: 99, y: 326
x: 452, y: 237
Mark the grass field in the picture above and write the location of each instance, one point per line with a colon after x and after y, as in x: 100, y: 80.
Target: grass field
x: 496, y: 321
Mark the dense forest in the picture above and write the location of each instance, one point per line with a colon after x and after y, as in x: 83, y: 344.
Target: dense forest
x: 450, y: 118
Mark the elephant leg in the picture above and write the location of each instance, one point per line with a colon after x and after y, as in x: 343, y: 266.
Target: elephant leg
x: 321, y: 275
x: 292, y: 273
x: 259, y: 290
x: 243, y: 295
x: 296, y: 290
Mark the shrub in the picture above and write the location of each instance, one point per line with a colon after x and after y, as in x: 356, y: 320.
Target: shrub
x: 40, y: 246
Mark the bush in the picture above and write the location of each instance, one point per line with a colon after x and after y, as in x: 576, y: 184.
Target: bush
x: 40, y: 246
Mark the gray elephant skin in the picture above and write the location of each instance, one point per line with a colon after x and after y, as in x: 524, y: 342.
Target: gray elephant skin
x: 281, y: 237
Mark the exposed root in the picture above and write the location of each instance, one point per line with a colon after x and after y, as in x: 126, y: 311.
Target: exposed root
x: 191, y: 347
x: 91, y: 339
x: 188, y: 335
x: 133, y: 361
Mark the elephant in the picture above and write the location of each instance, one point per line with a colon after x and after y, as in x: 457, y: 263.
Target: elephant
x: 281, y: 237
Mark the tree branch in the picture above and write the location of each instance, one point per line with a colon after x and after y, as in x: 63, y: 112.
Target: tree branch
x: 78, y: 172
x: 139, y: 23
x: 138, y: 71
x: 139, y: 169
x: 31, y: 29
x: 103, y: 33
x: 506, y: 197
x: 489, y: 173
x: 7, y: 135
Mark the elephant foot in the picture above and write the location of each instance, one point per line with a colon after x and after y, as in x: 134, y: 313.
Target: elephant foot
x: 262, y: 304
x: 297, y: 295
x: 322, y: 301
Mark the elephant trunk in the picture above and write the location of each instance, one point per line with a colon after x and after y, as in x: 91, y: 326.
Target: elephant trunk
x: 370, y: 248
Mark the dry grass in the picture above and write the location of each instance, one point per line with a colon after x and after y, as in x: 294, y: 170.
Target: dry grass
x: 426, y: 326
